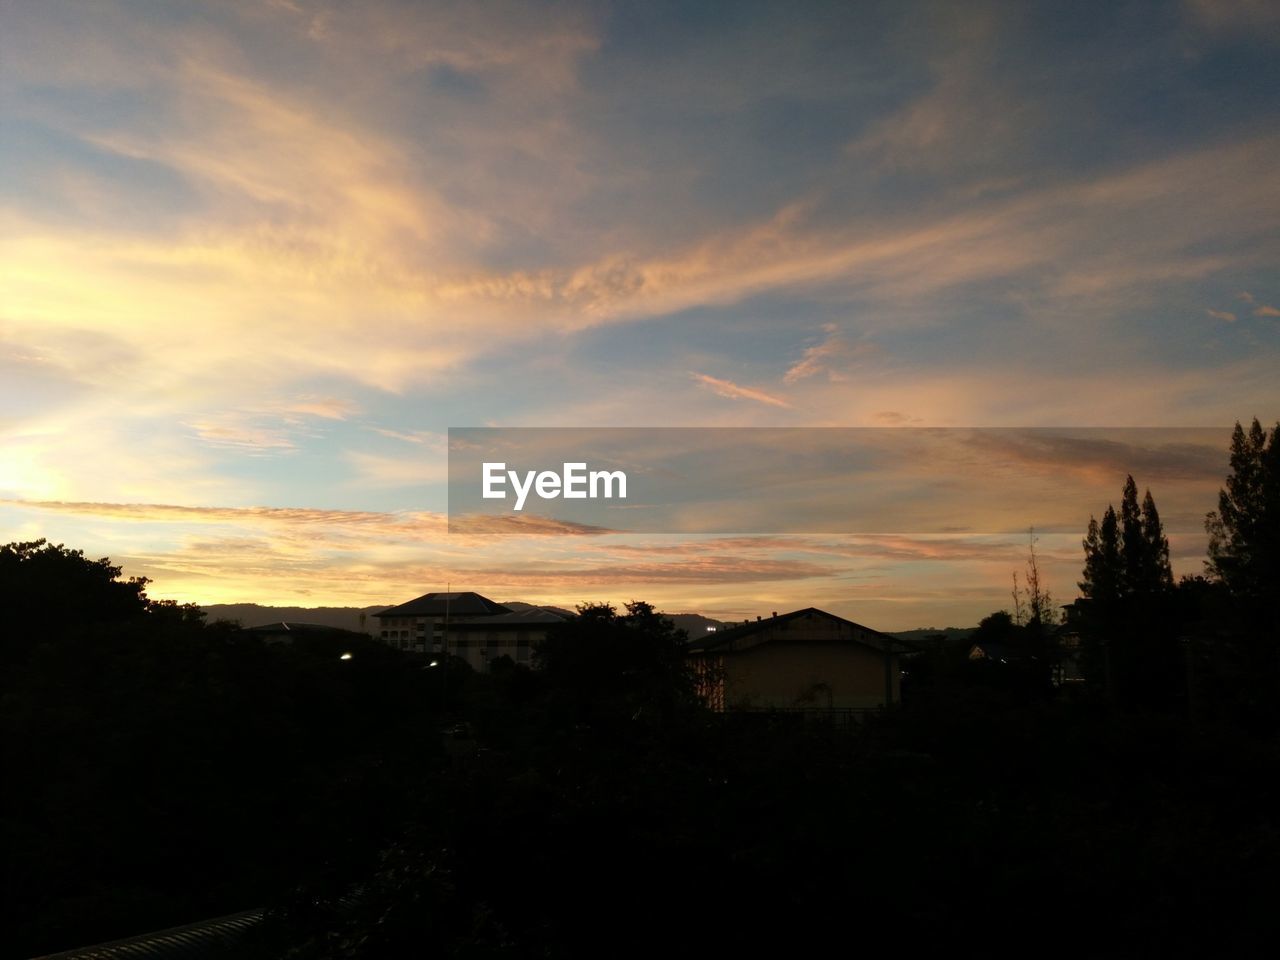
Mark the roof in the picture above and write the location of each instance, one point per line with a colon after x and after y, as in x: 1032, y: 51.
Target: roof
x: 464, y: 604
x: 511, y: 620
x: 722, y: 639
x: 996, y: 650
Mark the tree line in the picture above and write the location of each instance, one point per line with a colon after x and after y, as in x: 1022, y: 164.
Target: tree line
x: 1208, y: 643
x: 161, y: 769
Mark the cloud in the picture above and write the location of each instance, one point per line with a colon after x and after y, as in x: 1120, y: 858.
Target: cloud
x: 299, y: 231
x: 244, y: 437
x: 703, y: 570
x: 328, y: 408
x: 372, y: 471
x: 271, y: 427
x: 485, y: 524
x: 1168, y: 454
x: 893, y: 418
x: 830, y: 357
x: 727, y: 388
x: 433, y: 439
x: 1260, y: 309
x: 1224, y: 315
x: 292, y: 555
x: 201, y: 514
x: 866, y: 549
x: 1052, y: 239
x: 935, y: 130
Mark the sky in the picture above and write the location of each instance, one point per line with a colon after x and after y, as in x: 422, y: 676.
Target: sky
x: 256, y: 258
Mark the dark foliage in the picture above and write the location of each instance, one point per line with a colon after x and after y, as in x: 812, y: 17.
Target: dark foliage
x: 159, y: 770
x: 1127, y: 615
x: 1244, y: 532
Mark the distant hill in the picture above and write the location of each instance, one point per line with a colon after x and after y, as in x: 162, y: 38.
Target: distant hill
x: 933, y: 637
x: 254, y: 615
x: 362, y: 618
x: 695, y: 623
x: 520, y: 606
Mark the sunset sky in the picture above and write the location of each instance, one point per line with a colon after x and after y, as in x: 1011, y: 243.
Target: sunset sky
x: 257, y: 257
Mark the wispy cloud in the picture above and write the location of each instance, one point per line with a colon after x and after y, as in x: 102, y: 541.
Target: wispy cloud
x: 269, y: 254
x: 424, y: 523
x: 328, y: 408
x: 703, y: 570
x: 242, y: 436
x: 523, y: 525
x: 429, y: 438
x: 733, y: 391
x: 830, y: 357
x: 893, y: 418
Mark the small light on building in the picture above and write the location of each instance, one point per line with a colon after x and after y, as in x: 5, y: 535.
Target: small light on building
x: 434, y: 663
x: 345, y: 656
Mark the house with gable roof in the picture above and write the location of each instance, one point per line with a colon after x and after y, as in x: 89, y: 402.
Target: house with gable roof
x: 807, y: 659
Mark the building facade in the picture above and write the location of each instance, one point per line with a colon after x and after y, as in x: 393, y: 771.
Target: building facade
x: 465, y: 625
x: 807, y: 659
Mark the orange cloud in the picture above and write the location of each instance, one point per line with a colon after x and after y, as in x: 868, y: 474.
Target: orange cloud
x: 727, y: 388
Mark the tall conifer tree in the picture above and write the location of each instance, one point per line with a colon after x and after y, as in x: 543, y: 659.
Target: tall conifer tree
x: 1158, y: 574
x: 1244, y: 532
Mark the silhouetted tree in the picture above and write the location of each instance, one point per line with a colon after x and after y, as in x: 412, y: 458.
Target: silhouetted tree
x: 1125, y: 617
x: 67, y: 586
x: 1103, y: 567
x: 1144, y: 549
x: 1244, y: 532
x: 1040, y: 611
x: 603, y: 667
x: 1235, y: 633
x: 160, y: 770
x: 1129, y: 555
x: 1157, y: 572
